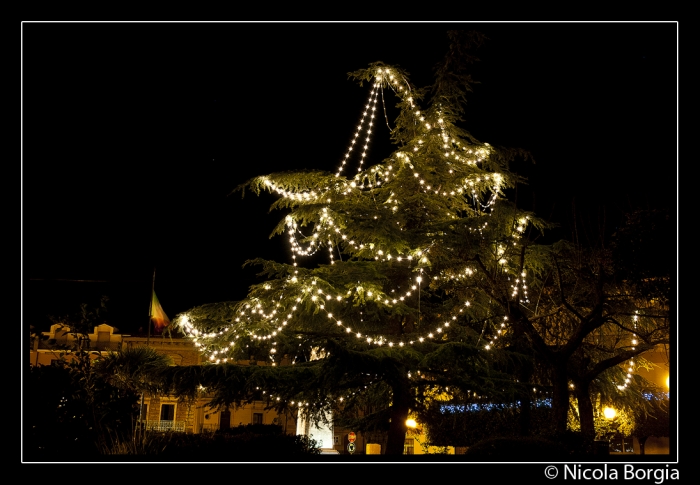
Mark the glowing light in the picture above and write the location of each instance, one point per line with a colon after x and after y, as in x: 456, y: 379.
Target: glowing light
x: 331, y: 230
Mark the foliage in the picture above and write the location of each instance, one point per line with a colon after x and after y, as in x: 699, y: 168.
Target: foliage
x: 68, y: 408
x: 70, y: 412
x: 81, y: 403
x: 585, y: 324
x: 237, y: 444
x: 457, y: 426
x: 566, y: 446
x: 645, y: 252
x: 394, y: 315
x: 621, y: 424
x: 655, y: 421
x: 519, y: 449
x: 434, y: 285
x: 138, y: 369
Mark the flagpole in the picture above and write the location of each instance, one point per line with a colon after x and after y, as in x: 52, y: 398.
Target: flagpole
x: 150, y: 308
x: 148, y: 342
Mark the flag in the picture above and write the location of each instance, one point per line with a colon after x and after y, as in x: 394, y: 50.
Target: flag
x: 160, y: 319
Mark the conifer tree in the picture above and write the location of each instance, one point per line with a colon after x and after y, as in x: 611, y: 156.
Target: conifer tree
x: 397, y: 316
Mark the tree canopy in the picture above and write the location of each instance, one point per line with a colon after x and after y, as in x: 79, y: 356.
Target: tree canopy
x: 433, y: 290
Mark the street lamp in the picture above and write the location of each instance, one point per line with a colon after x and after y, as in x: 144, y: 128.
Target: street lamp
x: 609, y: 413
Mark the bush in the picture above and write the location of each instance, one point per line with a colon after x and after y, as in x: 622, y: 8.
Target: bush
x: 518, y: 449
x: 569, y: 446
x: 70, y: 413
x: 237, y: 444
x: 466, y: 428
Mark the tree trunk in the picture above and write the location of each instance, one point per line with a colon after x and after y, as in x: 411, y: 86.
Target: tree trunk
x: 399, y: 413
x: 642, y: 441
x: 397, y: 430
x: 585, y: 410
x: 560, y: 399
x: 525, y: 417
x: 523, y: 393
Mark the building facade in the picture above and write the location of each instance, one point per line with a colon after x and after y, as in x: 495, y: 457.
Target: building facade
x: 167, y: 413
x: 161, y: 413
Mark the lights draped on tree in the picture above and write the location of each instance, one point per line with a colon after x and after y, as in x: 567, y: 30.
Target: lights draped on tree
x: 393, y: 214
x: 410, y: 242
x: 426, y: 280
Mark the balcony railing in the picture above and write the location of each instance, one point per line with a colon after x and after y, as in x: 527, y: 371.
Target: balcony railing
x: 208, y: 428
x: 166, y: 425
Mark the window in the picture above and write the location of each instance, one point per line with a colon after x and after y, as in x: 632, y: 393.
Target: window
x: 225, y: 419
x: 408, y: 446
x: 144, y: 412
x: 257, y: 418
x: 167, y: 412
x: 167, y: 420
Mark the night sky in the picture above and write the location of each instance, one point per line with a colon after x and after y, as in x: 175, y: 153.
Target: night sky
x: 134, y: 134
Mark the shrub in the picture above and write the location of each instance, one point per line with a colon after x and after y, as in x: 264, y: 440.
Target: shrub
x: 237, y: 444
x: 518, y: 449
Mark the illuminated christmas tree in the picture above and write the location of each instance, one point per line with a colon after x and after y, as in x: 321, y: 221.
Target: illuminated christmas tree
x: 397, y: 316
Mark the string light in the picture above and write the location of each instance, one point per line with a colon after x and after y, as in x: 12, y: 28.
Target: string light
x: 462, y: 183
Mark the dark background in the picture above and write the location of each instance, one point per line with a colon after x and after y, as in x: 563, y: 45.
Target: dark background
x: 134, y: 134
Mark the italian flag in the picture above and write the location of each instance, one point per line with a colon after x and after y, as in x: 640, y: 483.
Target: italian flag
x: 160, y: 319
